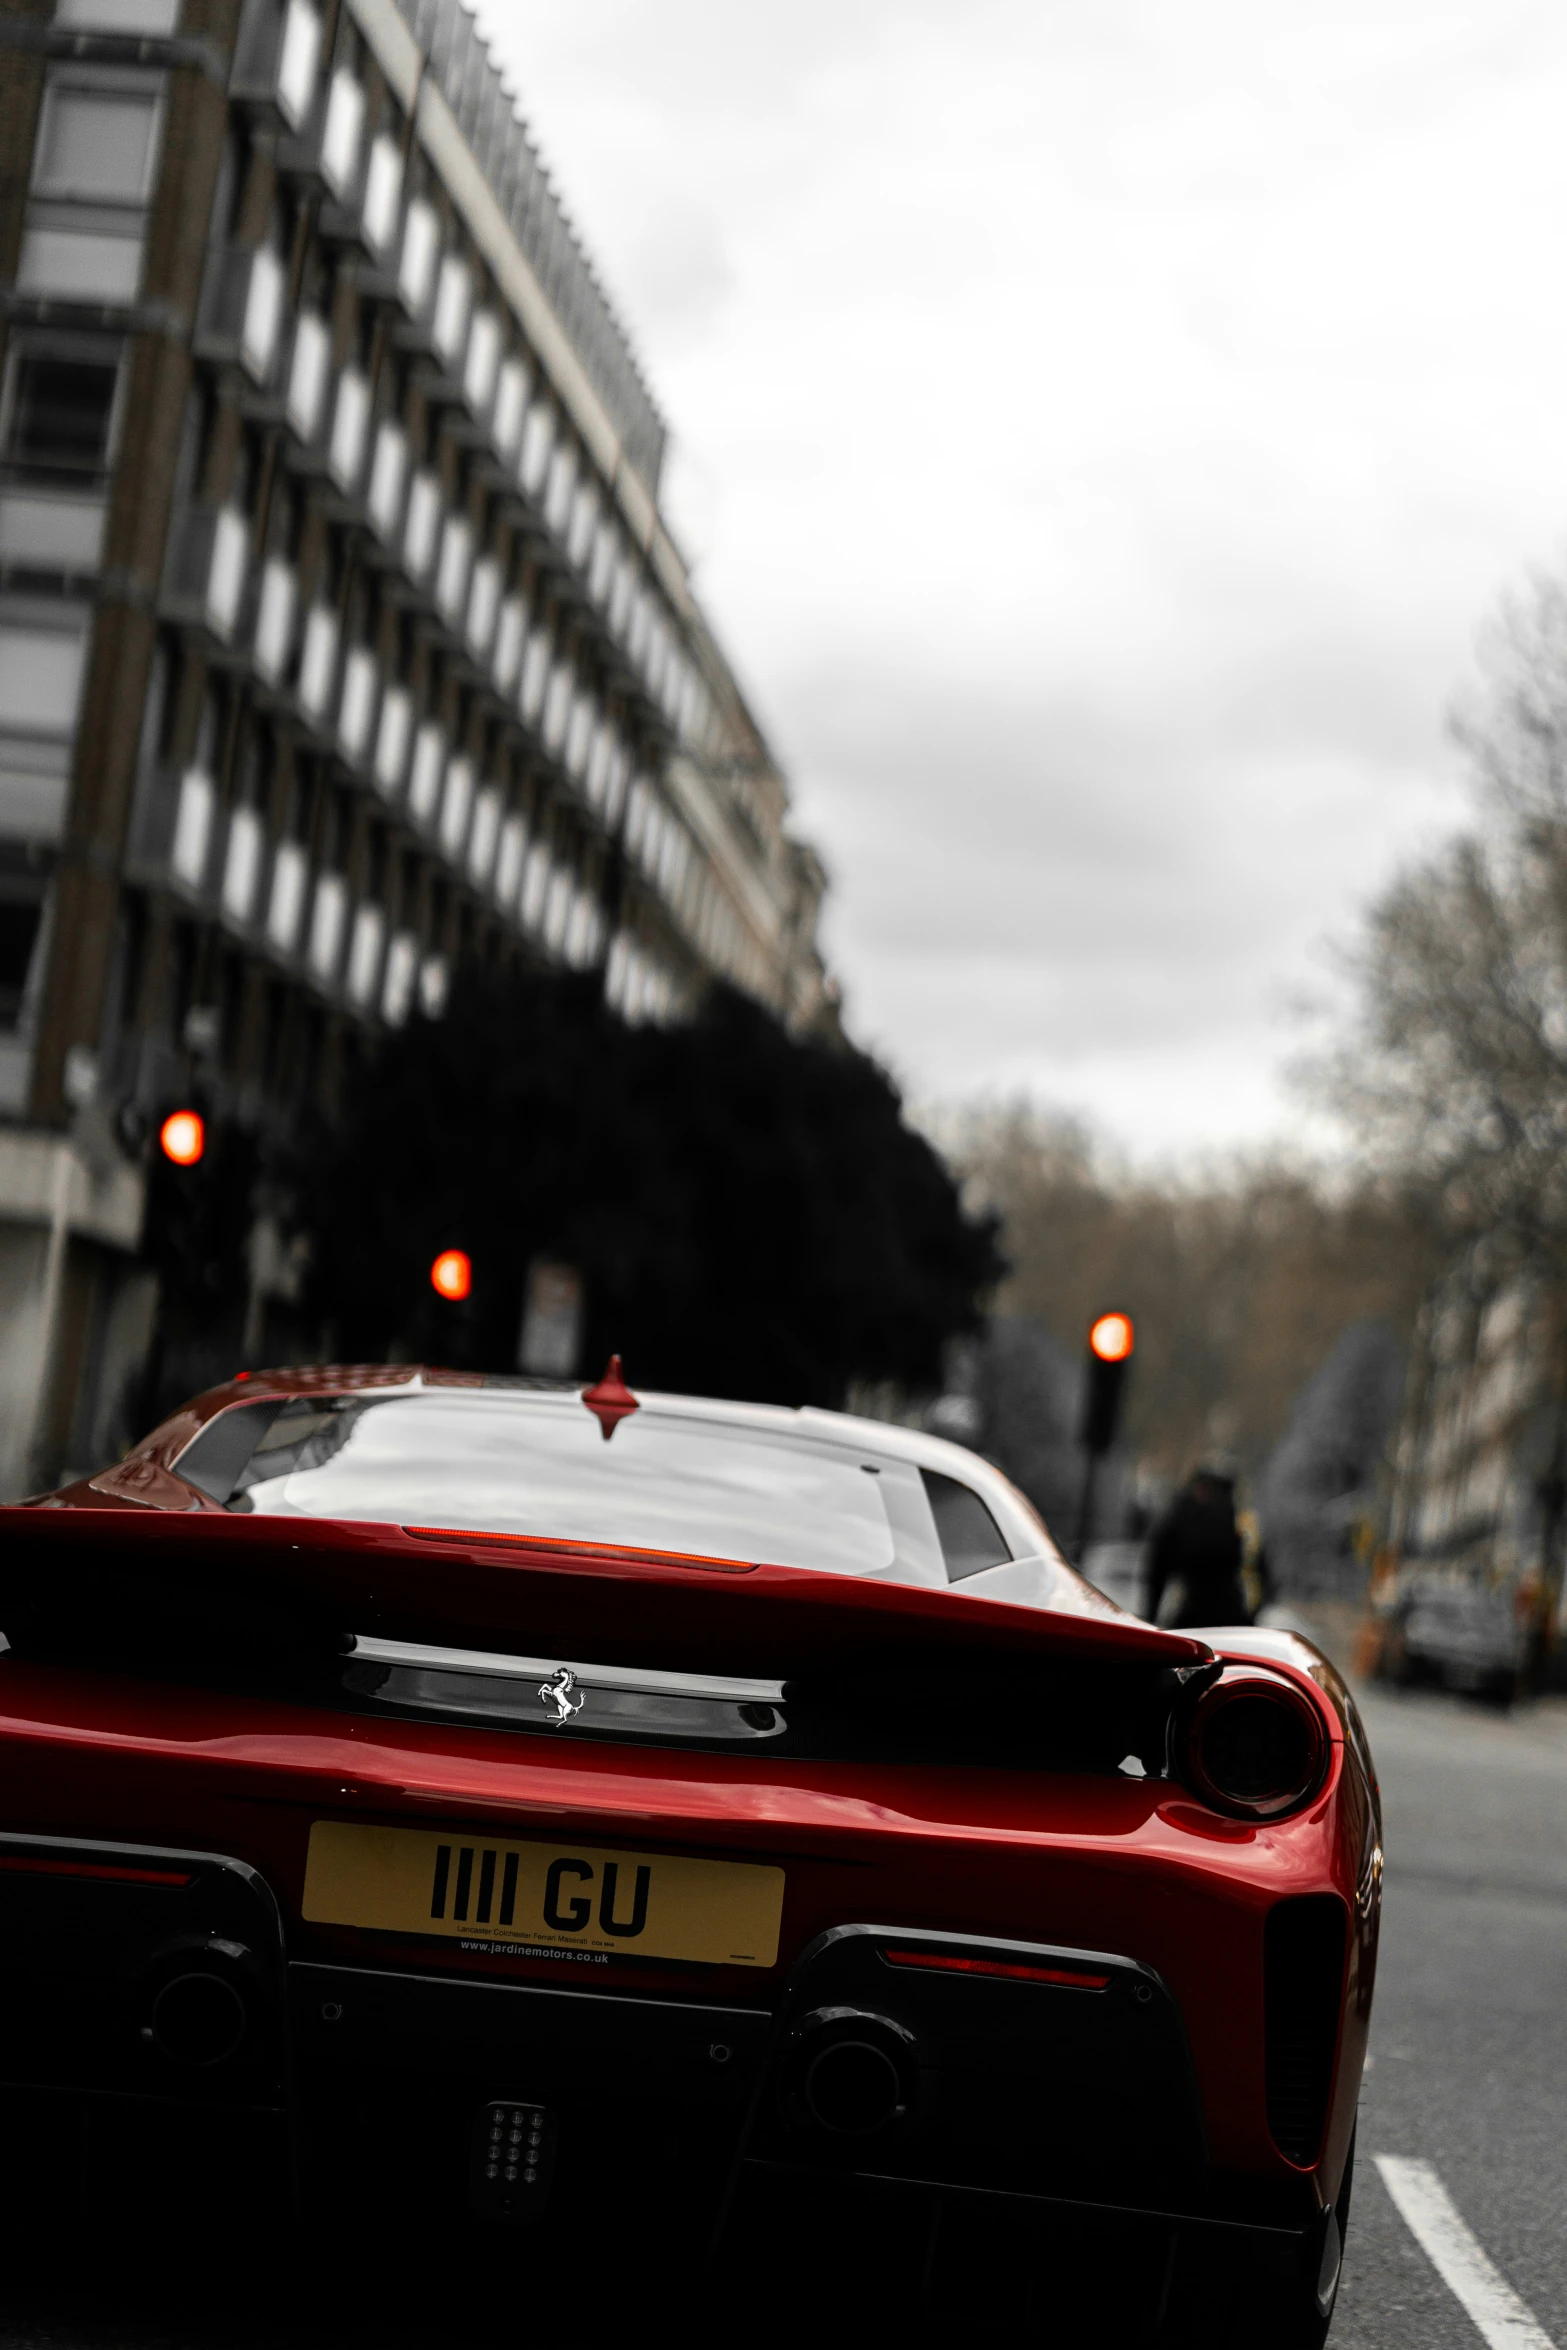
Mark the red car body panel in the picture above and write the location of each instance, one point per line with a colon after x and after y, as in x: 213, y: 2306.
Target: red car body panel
x: 1095, y: 1863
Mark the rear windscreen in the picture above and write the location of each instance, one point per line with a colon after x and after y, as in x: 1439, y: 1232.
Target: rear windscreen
x: 539, y: 1465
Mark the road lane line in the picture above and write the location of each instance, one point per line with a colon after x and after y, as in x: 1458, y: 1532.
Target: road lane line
x: 1428, y: 2211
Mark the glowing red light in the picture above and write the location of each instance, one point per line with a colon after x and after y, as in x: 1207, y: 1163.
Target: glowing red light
x: 1111, y: 1337
x: 939, y: 1961
x: 183, y: 1137
x: 451, y: 1275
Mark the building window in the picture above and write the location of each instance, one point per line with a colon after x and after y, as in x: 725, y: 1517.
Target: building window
x: 538, y: 438
x: 92, y: 172
x: 309, y: 367
x: 560, y: 488
x: 484, y: 836
x: 535, y: 675
x: 509, y: 637
x: 456, y: 806
x: 59, y: 412
x: 296, y: 72
x: 484, y: 596
x: 557, y: 704
x: 364, y: 955
x: 193, y: 828
x: 261, y: 319
x: 583, y: 526
x: 482, y: 362
x: 602, y: 569
x: 511, y: 405
x: 342, y: 133
x: 383, y: 188
x: 350, y: 427
x: 451, y: 585
x: 557, y: 908
x: 290, y: 875
x: 388, y: 472
x: 579, y: 734
x: 42, y: 531
x: 402, y: 963
x: 424, y: 788
x: 318, y: 662
x: 432, y: 986
x: 21, y: 922
x: 421, y: 524
x: 328, y: 920
x: 276, y: 56
x: 40, y: 678
x: 453, y: 301
x: 356, y: 707
x: 535, y: 886
x: 275, y: 618
x: 392, y: 741
x: 154, y: 19
x: 95, y: 142
x: 242, y: 864
x: 508, y: 864
x: 417, y: 262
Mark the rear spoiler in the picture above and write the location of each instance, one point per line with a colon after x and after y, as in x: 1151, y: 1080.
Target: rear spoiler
x: 107, y: 1583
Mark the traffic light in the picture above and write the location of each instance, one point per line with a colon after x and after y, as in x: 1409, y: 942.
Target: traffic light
x: 182, y: 1137
x: 451, y: 1275
x: 1110, y: 1343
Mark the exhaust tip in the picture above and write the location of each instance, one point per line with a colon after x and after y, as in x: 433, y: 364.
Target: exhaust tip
x: 199, y: 2019
x: 853, y: 2072
x: 853, y: 2087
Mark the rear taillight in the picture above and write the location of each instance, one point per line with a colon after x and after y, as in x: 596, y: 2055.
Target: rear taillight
x: 1254, y: 1745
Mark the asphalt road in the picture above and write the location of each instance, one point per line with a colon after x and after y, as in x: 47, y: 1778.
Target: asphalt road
x: 1469, y: 2039
x: 1468, y: 2077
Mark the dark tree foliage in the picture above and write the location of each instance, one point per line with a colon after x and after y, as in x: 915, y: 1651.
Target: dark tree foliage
x: 749, y: 1212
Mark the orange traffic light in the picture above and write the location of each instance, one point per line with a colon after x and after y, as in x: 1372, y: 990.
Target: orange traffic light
x: 1111, y: 1337
x: 183, y: 1137
x: 451, y: 1275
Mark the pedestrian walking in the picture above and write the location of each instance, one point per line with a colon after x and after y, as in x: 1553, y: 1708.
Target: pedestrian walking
x: 1194, y: 1556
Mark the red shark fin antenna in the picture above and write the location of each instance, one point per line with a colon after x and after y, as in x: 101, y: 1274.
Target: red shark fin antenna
x: 611, y: 1401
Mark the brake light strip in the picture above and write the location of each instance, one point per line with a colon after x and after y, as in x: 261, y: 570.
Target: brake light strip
x: 612, y: 1550
x: 940, y: 1963
x: 26, y: 1865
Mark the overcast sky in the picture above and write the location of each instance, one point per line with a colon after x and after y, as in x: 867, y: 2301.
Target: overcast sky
x: 1101, y: 427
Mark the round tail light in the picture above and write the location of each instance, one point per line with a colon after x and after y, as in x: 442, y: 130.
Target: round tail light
x: 1255, y: 1746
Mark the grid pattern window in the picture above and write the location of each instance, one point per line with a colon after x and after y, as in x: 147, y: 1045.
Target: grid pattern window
x: 59, y: 405
x: 93, y: 164
x: 154, y: 19
x: 373, y: 460
x: 43, y: 653
x: 96, y: 140
x: 23, y: 890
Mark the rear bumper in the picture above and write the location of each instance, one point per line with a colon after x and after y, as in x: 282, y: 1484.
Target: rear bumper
x: 1042, y: 2122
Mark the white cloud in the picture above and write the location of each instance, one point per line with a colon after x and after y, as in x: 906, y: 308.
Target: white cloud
x: 1102, y: 426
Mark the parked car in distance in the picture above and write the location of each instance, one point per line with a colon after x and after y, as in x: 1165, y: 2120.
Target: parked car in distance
x: 1454, y: 1627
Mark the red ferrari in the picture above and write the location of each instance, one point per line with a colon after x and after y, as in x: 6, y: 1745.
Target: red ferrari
x: 725, y: 1842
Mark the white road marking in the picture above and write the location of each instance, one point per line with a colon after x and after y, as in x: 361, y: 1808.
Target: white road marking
x: 1433, y: 2220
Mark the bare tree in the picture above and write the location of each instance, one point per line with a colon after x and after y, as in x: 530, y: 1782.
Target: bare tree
x: 1454, y: 1078
x: 1240, y: 1283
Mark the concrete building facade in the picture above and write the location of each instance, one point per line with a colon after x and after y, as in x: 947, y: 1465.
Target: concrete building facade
x: 341, y: 638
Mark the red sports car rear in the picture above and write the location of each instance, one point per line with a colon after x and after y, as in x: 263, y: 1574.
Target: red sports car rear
x: 725, y: 1840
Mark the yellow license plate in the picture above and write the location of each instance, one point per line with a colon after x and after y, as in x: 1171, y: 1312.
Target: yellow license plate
x: 547, y: 1896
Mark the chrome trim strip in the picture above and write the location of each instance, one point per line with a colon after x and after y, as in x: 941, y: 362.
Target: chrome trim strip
x: 368, y: 1650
